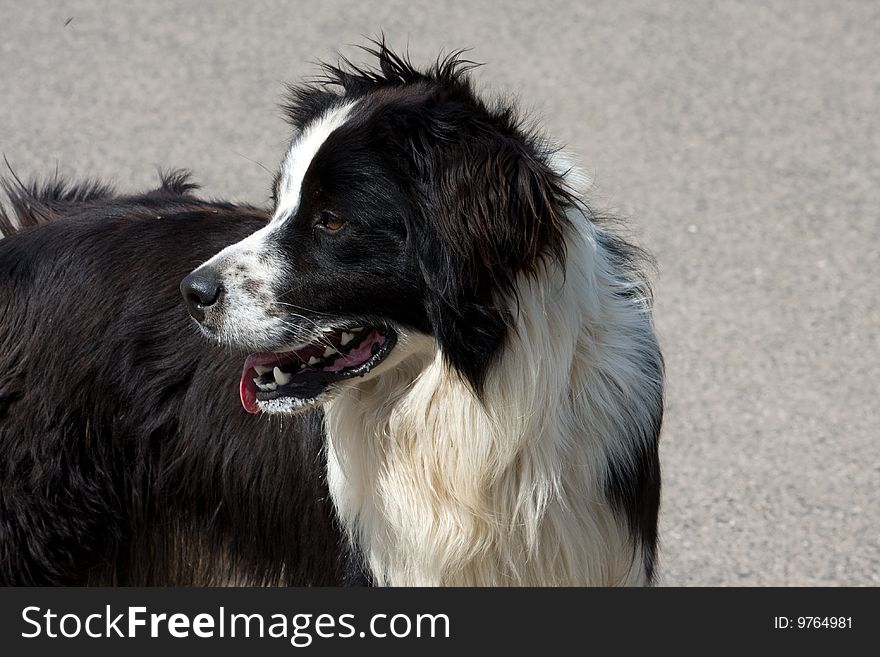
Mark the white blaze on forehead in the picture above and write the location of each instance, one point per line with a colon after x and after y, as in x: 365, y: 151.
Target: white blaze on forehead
x: 293, y: 170
x: 300, y: 156
x: 255, y: 259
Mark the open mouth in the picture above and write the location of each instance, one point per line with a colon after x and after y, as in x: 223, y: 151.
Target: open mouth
x: 302, y: 374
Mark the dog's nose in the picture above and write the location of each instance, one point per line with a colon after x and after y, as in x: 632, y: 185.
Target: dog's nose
x: 201, y: 290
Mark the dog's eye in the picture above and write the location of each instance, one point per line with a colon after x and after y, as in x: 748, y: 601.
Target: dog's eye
x: 330, y: 221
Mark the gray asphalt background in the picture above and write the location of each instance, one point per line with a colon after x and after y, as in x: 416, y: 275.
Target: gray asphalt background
x: 741, y: 140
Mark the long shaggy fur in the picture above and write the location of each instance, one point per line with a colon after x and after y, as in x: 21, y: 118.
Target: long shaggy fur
x: 540, y: 480
x: 544, y: 471
x: 124, y: 455
x: 510, y: 437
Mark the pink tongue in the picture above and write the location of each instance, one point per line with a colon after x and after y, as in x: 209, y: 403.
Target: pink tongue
x: 247, y: 390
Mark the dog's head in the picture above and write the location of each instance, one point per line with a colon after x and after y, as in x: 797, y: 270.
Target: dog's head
x: 405, y: 210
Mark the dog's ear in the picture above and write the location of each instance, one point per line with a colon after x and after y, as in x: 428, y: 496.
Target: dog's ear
x: 494, y: 212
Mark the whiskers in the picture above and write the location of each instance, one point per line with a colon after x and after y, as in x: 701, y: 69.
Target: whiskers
x: 290, y: 322
x: 306, y: 309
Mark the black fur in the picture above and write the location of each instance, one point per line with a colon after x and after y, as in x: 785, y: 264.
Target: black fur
x: 125, y: 457
x: 444, y: 201
x: 429, y: 178
x: 634, y: 486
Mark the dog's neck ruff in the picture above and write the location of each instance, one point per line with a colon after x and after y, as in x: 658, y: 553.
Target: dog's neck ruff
x: 441, y: 488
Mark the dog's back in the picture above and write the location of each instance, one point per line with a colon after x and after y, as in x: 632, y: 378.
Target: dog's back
x: 125, y: 457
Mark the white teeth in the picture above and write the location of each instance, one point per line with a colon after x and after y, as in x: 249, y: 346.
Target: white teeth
x: 346, y: 338
x: 313, y: 360
x: 265, y: 387
x: 329, y: 351
x: 262, y: 369
x: 272, y: 386
x: 281, y: 378
x: 357, y: 329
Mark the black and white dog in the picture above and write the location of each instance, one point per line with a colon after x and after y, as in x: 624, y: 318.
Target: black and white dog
x: 481, y: 344
x: 125, y: 457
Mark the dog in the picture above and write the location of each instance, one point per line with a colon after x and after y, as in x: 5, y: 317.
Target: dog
x: 481, y: 342
x: 125, y: 458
